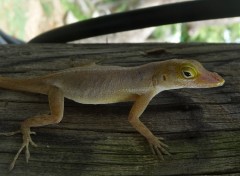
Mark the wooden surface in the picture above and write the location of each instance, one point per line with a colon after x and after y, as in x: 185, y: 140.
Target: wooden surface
x: 201, y: 126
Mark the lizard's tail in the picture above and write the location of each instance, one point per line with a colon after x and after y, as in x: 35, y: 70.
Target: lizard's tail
x: 34, y: 85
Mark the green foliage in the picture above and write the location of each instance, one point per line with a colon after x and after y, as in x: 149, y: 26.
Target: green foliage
x: 47, y: 7
x: 185, y: 37
x: 208, y: 34
x: 13, y: 14
x: 75, y: 9
x: 167, y: 33
x: 211, y: 33
x: 234, y: 32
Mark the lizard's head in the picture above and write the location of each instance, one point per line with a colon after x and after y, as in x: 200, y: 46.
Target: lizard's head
x: 181, y: 73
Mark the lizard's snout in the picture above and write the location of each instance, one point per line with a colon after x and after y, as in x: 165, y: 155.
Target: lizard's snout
x: 219, y: 80
x: 211, y: 79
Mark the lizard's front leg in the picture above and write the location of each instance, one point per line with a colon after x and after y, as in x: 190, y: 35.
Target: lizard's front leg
x: 139, y: 106
x: 56, y: 104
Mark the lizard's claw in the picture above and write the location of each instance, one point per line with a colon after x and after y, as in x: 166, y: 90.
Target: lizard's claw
x: 26, y: 140
x: 158, y: 148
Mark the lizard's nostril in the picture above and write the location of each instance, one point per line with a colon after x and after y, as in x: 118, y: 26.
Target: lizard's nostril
x: 216, y: 76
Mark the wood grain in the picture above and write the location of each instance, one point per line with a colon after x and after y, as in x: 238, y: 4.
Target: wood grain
x: 201, y: 126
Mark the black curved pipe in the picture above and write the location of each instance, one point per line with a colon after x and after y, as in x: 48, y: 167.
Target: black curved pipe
x: 6, y: 39
x: 147, y: 17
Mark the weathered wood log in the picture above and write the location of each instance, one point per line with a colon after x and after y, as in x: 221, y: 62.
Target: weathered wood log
x: 201, y: 126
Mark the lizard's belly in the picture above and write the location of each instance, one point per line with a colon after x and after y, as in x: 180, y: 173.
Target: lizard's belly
x: 98, y: 89
x: 101, y: 98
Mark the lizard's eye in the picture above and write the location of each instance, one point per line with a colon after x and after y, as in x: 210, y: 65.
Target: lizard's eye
x: 189, y: 72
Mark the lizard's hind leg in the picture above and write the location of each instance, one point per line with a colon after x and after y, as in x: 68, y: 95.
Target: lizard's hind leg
x: 56, y: 104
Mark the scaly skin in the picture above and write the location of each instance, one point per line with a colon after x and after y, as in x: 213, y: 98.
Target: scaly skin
x: 110, y: 84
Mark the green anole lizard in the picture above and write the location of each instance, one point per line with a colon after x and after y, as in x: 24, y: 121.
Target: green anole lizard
x: 110, y: 84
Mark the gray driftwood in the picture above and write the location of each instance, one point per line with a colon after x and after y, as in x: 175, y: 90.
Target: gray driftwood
x: 201, y: 126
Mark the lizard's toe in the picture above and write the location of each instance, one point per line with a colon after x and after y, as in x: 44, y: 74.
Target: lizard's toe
x: 158, y: 148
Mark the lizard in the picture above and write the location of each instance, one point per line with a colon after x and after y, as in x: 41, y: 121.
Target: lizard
x: 99, y: 84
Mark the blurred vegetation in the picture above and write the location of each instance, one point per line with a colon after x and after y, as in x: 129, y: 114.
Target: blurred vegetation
x: 17, y: 19
x: 210, y: 34
x: 47, y: 7
x: 74, y: 9
x: 169, y: 33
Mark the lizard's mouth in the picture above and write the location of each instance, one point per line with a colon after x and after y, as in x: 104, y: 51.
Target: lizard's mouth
x: 221, y: 82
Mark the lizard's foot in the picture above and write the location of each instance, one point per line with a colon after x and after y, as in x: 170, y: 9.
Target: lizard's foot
x: 26, y: 140
x: 158, y: 148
